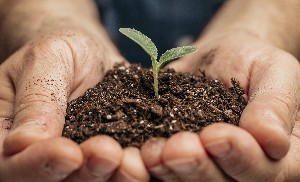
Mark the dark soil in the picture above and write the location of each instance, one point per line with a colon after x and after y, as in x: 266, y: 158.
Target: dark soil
x: 123, y: 106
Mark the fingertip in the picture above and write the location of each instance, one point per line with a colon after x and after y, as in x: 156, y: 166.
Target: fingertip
x: 67, y: 149
x: 49, y: 160
x: 152, y: 150
x: 103, y: 155
x: 66, y: 156
x: 237, y: 153
x: 268, y: 128
x: 273, y: 104
x: 95, y: 146
x: 182, y: 144
x: 24, y: 135
x: 132, y: 167
x: 185, y: 155
x: 182, y: 152
x: 220, y: 135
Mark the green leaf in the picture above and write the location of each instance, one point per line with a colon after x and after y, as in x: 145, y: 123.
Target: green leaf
x: 141, y: 39
x: 175, y: 53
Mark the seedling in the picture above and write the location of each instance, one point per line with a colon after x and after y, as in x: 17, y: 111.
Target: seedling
x: 150, y: 48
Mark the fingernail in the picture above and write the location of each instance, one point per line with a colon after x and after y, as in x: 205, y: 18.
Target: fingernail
x: 183, y: 165
x: 219, y: 149
x: 101, y: 168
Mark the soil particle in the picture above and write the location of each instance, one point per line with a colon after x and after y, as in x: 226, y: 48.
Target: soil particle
x: 124, y: 107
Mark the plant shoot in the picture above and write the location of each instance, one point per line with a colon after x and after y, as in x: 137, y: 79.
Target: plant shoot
x: 150, y: 48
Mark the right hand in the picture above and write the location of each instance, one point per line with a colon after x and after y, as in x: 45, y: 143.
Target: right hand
x: 258, y: 150
x: 36, y: 83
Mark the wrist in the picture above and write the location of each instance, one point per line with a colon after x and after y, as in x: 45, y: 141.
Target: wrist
x: 24, y: 21
x: 273, y: 22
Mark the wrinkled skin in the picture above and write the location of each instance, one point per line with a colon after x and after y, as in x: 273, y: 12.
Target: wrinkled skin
x: 36, y: 83
x: 266, y: 145
x: 40, y: 78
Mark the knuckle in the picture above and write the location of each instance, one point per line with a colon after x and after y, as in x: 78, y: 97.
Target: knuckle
x: 33, y: 97
x: 287, y: 108
x: 237, y: 164
x: 38, y: 101
x: 61, y: 45
x: 286, y: 101
x: 47, y: 50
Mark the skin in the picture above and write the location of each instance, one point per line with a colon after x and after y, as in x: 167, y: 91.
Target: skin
x: 60, y: 56
x: 53, y: 62
x: 258, y: 151
x: 266, y: 145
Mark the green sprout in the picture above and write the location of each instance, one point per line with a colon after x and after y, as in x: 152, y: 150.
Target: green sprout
x: 146, y: 43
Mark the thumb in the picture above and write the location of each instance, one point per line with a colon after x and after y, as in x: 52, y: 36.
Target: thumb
x: 185, y: 64
x: 273, y: 104
x: 42, y: 85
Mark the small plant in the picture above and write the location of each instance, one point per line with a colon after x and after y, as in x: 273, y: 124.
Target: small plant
x: 146, y: 43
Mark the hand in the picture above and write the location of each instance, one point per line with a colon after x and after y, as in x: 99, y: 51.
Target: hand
x: 258, y: 150
x: 36, y: 83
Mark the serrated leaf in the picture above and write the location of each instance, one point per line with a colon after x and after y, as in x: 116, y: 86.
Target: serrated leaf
x: 141, y: 39
x: 175, y: 53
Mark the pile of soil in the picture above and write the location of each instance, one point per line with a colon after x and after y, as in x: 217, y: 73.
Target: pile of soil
x: 124, y: 107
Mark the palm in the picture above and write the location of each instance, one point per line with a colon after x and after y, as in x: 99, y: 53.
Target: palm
x: 270, y: 77
x: 37, y: 81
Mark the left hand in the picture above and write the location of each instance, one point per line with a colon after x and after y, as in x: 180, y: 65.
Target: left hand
x: 36, y: 83
x: 258, y: 150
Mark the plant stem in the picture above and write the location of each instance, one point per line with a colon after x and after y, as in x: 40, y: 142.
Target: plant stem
x: 155, y: 77
x: 155, y: 84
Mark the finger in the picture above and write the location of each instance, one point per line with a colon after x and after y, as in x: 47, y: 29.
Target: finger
x: 42, y: 86
x: 5, y: 125
x: 290, y: 168
x: 102, y: 155
x: 49, y: 160
x: 188, y: 63
x: 273, y: 104
x: 132, y: 167
x: 6, y: 103
x: 185, y: 155
x: 151, y: 153
x: 238, y: 154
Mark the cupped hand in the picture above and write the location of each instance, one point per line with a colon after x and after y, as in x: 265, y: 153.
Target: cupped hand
x: 36, y: 83
x: 264, y: 147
